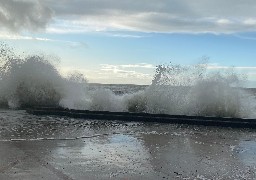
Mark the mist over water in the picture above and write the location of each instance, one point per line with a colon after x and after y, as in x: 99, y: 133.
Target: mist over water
x: 27, y: 81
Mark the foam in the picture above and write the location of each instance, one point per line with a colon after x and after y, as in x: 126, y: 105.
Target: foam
x: 175, y: 89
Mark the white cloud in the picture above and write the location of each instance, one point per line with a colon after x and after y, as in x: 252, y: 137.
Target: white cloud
x: 250, y: 21
x: 184, y: 16
x: 224, y: 21
x: 79, y: 16
x: 109, y: 73
x: 140, y: 65
x: 121, y: 74
x: 122, y: 70
x: 133, y: 74
x: 10, y: 36
x: 126, y: 35
x: 18, y: 15
x: 19, y: 37
x: 125, y: 66
x: 216, y: 66
x: 248, y: 71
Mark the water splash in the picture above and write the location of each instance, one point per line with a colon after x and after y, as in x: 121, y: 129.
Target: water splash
x: 75, y: 90
x: 193, y: 90
x: 33, y: 80
x: 175, y: 89
x: 30, y: 81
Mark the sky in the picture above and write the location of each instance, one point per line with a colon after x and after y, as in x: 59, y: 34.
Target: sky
x: 114, y: 41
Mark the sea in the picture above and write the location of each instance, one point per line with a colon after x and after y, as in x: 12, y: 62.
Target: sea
x: 54, y: 147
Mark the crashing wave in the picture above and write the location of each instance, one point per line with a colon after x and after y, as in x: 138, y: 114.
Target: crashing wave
x: 175, y: 89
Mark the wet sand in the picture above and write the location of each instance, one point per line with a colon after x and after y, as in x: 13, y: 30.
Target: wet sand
x: 48, y: 147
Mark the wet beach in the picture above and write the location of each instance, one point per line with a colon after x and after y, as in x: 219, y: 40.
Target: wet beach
x: 52, y: 147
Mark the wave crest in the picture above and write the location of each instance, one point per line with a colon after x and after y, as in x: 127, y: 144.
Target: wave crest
x: 175, y: 89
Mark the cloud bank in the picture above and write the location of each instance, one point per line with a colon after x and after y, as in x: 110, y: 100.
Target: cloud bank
x: 170, y: 16
x: 182, y: 16
x: 141, y: 73
x: 17, y: 15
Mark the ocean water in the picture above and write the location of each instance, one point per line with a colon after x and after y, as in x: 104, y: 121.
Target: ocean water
x: 34, y: 80
x: 66, y: 148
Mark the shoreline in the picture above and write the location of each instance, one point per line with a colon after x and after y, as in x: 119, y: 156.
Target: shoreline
x: 147, y: 117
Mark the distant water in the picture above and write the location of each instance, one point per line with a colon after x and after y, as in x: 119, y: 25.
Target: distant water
x: 189, y: 90
x: 118, y: 89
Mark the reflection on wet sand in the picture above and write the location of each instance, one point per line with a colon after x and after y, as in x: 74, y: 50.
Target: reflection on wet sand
x: 89, y: 149
x: 200, y: 152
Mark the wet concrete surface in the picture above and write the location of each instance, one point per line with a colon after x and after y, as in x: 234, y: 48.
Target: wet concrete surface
x: 48, y: 147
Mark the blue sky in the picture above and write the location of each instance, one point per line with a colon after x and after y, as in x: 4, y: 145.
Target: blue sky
x: 115, y: 41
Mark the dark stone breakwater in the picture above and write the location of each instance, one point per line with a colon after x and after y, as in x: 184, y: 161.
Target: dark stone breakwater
x: 146, y: 117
